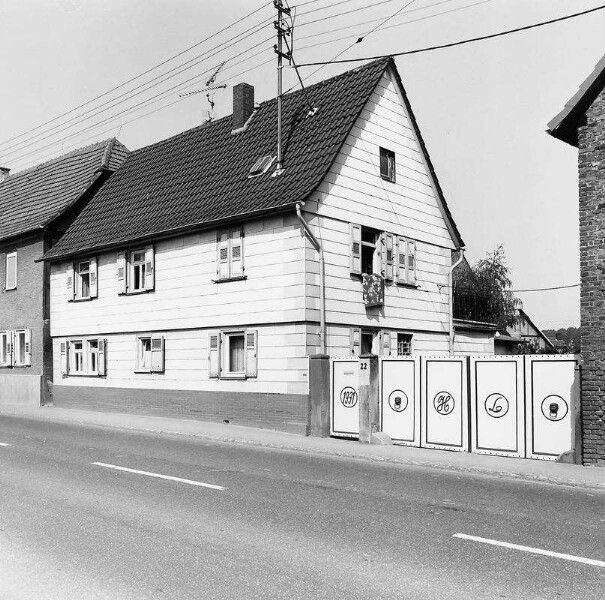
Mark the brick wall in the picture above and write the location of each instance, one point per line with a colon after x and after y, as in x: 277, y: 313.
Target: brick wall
x: 284, y: 412
x: 23, y: 307
x: 591, y: 138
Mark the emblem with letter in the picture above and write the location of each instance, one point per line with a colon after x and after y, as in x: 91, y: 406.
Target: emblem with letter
x: 444, y: 403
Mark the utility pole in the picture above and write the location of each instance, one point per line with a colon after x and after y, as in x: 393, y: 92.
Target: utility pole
x: 282, y: 30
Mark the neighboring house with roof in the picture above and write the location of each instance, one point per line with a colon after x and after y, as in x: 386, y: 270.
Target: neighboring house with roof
x: 582, y: 124
x: 35, y: 207
x: 218, y: 276
x: 524, y: 334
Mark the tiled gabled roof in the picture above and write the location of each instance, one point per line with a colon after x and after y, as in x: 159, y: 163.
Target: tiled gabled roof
x: 565, y: 125
x: 200, y: 177
x: 31, y: 199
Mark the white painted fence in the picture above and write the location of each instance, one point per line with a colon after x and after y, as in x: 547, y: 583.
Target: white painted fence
x: 523, y: 406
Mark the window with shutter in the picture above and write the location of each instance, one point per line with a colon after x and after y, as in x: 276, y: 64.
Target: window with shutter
x: 230, y: 254
x: 388, y: 259
x: 121, y: 266
x: 64, y: 358
x: 234, y: 354
x: 385, y: 349
x: 149, y: 283
x: 251, y: 353
x: 157, y: 354
x: 355, y: 244
x: 214, y: 355
x: 401, y: 260
x: 101, y: 355
x: 355, y: 341
x: 5, y: 349
x: 11, y: 271
x: 82, y: 280
x: 411, y: 267
x: 76, y: 357
x: 69, y: 282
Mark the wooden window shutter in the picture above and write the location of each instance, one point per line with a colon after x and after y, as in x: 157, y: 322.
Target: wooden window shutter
x: 385, y: 348
x: 355, y: 341
x: 121, y: 272
x: 11, y: 271
x: 64, y: 358
x: 101, y: 358
x: 389, y: 257
x: 11, y: 347
x: 393, y: 344
x: 411, y: 267
x: 94, y: 288
x: 69, y: 282
x: 237, y: 252
x: 28, y: 348
x: 149, y: 269
x: 251, y: 353
x: 214, y: 355
x: 157, y: 354
x: 401, y: 260
x: 355, y: 241
x: 222, y: 255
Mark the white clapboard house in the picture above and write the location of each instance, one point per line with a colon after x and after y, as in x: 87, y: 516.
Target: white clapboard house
x: 199, y: 279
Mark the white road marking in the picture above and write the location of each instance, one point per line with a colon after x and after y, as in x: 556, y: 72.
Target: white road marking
x: 3, y: 444
x: 168, y: 477
x: 580, y: 559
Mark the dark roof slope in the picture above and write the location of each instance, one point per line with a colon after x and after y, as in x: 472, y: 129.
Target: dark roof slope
x: 31, y: 199
x: 200, y: 177
x: 565, y: 125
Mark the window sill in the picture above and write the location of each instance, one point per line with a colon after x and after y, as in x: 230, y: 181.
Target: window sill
x: 10, y: 289
x: 227, y: 279
x: 408, y: 285
x: 233, y: 376
x: 146, y: 371
x: 82, y: 299
x: 95, y: 375
x: 135, y: 292
x: 391, y: 180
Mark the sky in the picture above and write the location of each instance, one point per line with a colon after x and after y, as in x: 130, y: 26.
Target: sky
x: 482, y: 108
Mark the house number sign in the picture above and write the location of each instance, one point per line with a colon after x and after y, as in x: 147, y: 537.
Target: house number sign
x: 348, y: 397
x: 364, y: 371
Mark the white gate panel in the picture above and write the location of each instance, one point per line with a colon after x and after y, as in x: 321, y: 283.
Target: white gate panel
x: 497, y: 405
x: 551, y: 399
x: 400, y: 399
x: 444, y: 403
x: 344, y: 396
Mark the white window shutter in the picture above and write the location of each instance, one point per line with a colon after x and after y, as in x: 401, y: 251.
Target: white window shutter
x: 11, y: 347
x: 121, y: 272
x: 411, y: 267
x: 93, y: 277
x: 149, y: 268
x: 222, y: 255
x: 214, y: 355
x: 157, y: 354
x: 401, y: 260
x: 28, y: 348
x: 385, y: 349
x: 355, y: 341
x: 251, y: 353
x: 102, y: 358
x: 355, y: 245
x: 393, y: 344
x: 237, y: 253
x: 69, y: 282
x: 389, y: 258
x: 381, y: 254
x: 64, y: 358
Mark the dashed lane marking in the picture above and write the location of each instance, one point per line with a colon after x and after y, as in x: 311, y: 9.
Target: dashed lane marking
x: 159, y: 476
x: 571, y: 557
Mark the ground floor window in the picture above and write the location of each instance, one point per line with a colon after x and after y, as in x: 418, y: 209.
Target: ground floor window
x: 5, y: 349
x: 150, y: 354
x: 15, y: 348
x: 232, y: 354
x: 83, y: 357
x: 404, y: 344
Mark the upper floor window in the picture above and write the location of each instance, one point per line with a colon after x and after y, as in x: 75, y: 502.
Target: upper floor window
x: 136, y: 271
x: 82, y: 280
x: 230, y: 254
x: 387, y: 164
x: 6, y: 358
x: 11, y: 271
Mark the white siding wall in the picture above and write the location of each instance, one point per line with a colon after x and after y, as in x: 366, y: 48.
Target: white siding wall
x: 467, y: 342
x: 282, y: 364
x: 353, y: 192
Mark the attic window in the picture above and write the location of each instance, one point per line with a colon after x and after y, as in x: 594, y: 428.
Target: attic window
x: 261, y: 166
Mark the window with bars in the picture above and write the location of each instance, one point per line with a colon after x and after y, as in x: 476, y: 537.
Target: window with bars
x: 404, y: 344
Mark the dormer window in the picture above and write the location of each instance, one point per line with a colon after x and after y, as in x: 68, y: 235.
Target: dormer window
x: 387, y: 164
x: 261, y: 166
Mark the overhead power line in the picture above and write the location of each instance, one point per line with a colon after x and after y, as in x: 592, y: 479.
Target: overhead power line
x: 458, y: 43
x: 161, y: 64
x: 546, y: 289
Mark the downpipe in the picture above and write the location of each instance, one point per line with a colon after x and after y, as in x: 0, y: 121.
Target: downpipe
x: 450, y: 285
x: 322, y: 273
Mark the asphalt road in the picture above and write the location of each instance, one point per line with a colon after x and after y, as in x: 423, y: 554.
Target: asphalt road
x: 276, y: 525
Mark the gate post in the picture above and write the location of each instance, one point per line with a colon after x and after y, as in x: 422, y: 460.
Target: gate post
x: 369, y: 410
x: 319, y: 396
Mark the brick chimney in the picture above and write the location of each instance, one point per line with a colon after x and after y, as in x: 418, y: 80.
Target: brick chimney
x: 243, y: 104
x: 4, y: 171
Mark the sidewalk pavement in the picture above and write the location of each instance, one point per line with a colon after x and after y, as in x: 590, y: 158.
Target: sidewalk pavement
x: 464, y: 462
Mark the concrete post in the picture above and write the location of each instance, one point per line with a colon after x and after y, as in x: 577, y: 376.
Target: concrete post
x: 368, y: 398
x: 319, y: 396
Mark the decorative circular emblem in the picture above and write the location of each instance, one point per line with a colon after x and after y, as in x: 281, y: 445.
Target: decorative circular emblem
x: 348, y: 397
x: 398, y: 401
x: 554, y: 408
x: 444, y: 403
x: 496, y: 405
